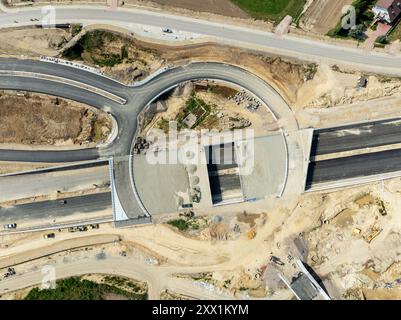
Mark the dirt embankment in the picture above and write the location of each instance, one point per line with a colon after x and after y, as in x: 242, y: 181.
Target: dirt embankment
x: 351, y: 238
x: 37, y: 119
x: 127, y: 59
x: 32, y: 42
x: 217, y: 107
x: 117, y: 56
x: 286, y: 76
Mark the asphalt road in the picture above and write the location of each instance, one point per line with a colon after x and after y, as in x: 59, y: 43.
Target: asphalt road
x: 288, y: 45
x: 47, y: 183
x: 354, y: 137
x: 53, y: 88
x: 353, y: 167
x: 66, y: 72
x: 328, y: 140
x: 49, y: 156
x: 126, y: 115
x: 54, y: 208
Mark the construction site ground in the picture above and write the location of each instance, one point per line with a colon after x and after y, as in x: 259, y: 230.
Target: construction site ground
x: 225, y: 113
x: 30, y: 119
x: 32, y: 42
x: 351, y: 236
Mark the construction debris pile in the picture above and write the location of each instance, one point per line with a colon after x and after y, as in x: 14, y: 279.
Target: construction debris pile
x: 141, y: 144
x: 244, y: 99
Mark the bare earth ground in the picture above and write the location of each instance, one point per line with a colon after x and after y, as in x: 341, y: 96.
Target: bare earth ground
x: 225, y: 113
x: 36, y: 119
x: 324, y: 100
x: 138, y: 63
x: 323, y: 15
x: 32, y: 42
x: 353, y: 239
x: 332, y: 97
x: 144, y: 58
x: 223, y: 7
x: 9, y: 167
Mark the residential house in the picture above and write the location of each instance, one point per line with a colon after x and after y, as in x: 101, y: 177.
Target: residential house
x: 387, y: 10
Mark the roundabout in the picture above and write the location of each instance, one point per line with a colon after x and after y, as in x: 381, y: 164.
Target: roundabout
x: 277, y: 157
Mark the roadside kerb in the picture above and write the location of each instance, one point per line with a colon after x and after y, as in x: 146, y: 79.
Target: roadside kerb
x: 105, y: 219
x: 73, y: 83
x: 66, y: 166
x: 332, y: 186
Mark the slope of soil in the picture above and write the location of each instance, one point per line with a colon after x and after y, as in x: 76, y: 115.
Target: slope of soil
x: 129, y: 60
x: 36, y: 119
x: 116, y: 55
x: 32, y: 42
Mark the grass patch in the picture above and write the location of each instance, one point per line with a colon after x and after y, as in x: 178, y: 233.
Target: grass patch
x: 364, y: 18
x: 123, y: 282
x: 163, y: 124
x: 98, y: 135
x: 198, y: 108
x: 195, y: 106
x: 108, y: 60
x: 90, y: 47
x: 76, y: 289
x: 180, y: 224
x: 225, y: 92
x: 274, y: 10
x: 395, y: 33
x: 185, y: 225
x: 75, y: 29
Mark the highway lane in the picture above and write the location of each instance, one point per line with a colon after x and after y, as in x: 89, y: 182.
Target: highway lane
x: 54, y: 88
x: 49, y: 155
x: 353, y: 167
x: 66, y: 72
x: 356, y: 136
x: 288, y: 45
x: 331, y: 140
x: 44, y: 183
x: 56, y: 209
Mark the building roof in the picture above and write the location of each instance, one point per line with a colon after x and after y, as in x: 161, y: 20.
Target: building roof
x: 384, y: 3
x: 393, y: 7
x: 303, y: 287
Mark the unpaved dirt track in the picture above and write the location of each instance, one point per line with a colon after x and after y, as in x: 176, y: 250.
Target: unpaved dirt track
x: 157, y: 278
x: 56, y: 247
x: 323, y: 15
x: 223, y: 7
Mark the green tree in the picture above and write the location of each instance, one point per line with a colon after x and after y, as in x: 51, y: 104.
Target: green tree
x: 357, y: 32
